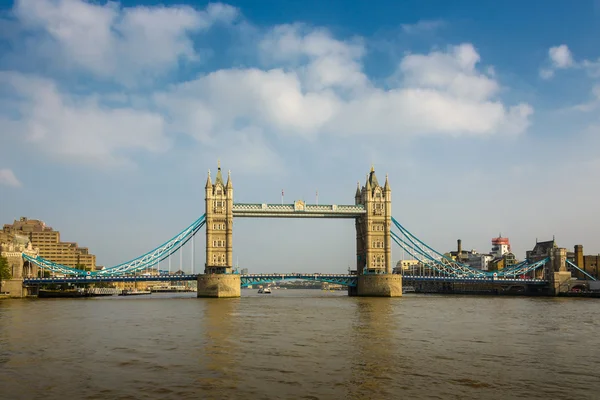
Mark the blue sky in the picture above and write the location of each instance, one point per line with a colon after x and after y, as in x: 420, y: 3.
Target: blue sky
x: 484, y: 114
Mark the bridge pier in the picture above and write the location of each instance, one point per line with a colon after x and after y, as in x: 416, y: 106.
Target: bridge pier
x: 219, y: 285
x: 380, y: 285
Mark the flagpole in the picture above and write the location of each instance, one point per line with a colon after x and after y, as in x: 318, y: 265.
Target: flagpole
x: 317, y: 197
x: 281, y: 196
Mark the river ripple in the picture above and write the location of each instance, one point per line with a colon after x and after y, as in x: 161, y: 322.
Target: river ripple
x: 300, y: 344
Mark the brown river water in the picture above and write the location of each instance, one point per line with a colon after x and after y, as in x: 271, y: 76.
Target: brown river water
x: 300, y: 344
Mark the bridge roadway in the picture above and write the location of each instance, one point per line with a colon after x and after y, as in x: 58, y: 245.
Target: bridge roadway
x: 256, y: 279
x: 249, y: 279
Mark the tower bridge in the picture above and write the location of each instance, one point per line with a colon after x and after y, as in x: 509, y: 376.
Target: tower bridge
x: 372, y: 212
x: 375, y: 227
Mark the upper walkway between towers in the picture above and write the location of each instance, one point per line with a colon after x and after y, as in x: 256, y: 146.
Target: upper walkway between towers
x: 299, y: 209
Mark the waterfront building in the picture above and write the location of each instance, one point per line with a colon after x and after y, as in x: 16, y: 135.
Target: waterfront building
x: 405, y: 265
x: 541, y: 250
x: 499, y: 263
x: 588, y: 263
x: 500, y: 246
x: 479, y: 261
x: 498, y: 258
x: 48, y: 242
x: 459, y: 255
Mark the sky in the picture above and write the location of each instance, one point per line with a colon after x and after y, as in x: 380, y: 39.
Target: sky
x: 485, y: 115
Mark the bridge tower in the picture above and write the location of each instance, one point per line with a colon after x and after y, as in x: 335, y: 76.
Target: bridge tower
x: 373, y: 240
x: 218, y: 279
x: 219, y: 224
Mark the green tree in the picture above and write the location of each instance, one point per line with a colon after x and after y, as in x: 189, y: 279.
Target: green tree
x: 4, y: 271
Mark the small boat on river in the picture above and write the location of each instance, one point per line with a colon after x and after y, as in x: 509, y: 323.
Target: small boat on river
x: 134, y: 292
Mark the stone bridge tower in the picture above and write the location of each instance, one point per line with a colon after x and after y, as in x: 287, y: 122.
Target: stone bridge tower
x: 374, y: 242
x: 219, y: 224
x: 218, y: 279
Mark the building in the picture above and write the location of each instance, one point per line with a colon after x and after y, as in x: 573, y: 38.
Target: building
x: 244, y: 271
x: 406, y: 265
x: 588, y: 263
x: 499, y: 263
x: 48, y: 242
x: 500, y: 246
x: 498, y: 258
x: 540, y: 251
x: 459, y: 255
x: 479, y: 261
x: 472, y: 258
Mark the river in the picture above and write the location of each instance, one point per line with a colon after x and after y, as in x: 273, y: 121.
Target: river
x: 300, y: 344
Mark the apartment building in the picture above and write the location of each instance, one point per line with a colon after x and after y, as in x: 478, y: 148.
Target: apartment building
x: 48, y: 242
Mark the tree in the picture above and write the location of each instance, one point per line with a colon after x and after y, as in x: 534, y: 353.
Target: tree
x: 4, y: 271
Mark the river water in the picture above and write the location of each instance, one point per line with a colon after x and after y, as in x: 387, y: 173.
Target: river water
x: 300, y: 344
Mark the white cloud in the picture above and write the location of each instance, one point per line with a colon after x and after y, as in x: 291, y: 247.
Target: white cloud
x: 313, y: 86
x: 437, y: 93
x: 326, y: 62
x: 125, y: 44
x: 560, y: 56
x: 453, y: 71
x: 8, y: 178
x: 81, y: 128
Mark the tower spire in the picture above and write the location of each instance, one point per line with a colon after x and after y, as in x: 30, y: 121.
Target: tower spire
x: 373, y: 178
x: 219, y: 178
x: 229, y: 184
x: 208, y: 181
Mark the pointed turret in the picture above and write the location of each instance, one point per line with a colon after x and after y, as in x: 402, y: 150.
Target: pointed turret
x: 208, y: 182
x: 357, y: 195
x: 368, y: 184
x: 386, y: 187
x: 219, y: 176
x: 229, y: 184
x: 373, y: 178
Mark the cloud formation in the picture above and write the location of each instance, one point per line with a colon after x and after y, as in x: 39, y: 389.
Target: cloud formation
x: 80, y: 128
x: 560, y: 57
x: 8, y: 178
x: 307, y: 84
x: 127, y: 44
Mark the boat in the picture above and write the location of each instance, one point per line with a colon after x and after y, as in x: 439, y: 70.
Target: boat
x: 134, y: 292
x: 264, y: 291
x: 408, y: 289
